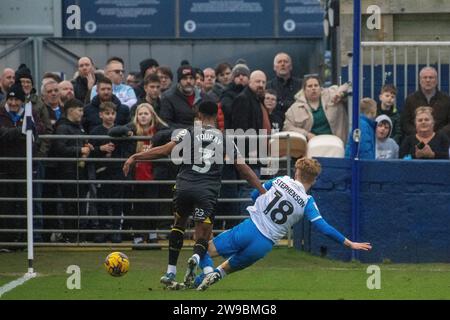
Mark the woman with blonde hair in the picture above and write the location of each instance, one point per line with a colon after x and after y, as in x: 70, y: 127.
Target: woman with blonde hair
x: 426, y: 143
x: 146, y: 123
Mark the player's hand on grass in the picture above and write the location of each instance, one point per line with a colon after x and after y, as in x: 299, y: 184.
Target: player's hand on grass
x: 358, y: 245
x: 361, y: 246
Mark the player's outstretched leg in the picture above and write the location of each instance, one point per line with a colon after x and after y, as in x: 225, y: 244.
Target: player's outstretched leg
x: 207, y: 265
x: 189, y: 277
x: 200, y: 249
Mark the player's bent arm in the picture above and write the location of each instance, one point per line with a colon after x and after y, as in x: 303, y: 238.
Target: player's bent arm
x: 152, y: 154
x: 267, y: 185
x: 155, y: 153
x: 247, y: 173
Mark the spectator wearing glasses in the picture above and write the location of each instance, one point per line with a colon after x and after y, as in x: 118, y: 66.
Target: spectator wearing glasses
x: 115, y: 71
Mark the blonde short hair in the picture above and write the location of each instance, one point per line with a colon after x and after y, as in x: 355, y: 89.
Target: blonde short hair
x: 367, y: 106
x: 309, y: 169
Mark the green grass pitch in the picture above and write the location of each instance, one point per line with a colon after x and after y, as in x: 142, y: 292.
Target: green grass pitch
x: 285, y: 274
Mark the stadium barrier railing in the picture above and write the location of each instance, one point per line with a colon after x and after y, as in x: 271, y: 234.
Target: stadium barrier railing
x: 87, y: 216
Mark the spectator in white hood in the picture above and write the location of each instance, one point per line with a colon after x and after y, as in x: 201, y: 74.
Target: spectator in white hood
x: 386, y: 148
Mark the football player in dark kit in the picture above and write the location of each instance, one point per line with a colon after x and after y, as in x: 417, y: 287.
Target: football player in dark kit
x: 204, y: 150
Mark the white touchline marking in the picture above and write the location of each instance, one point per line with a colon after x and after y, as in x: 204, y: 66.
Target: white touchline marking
x: 14, y: 284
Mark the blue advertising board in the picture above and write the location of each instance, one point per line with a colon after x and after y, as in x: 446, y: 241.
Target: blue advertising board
x: 300, y: 18
x: 195, y: 19
x: 226, y: 19
x: 119, y: 18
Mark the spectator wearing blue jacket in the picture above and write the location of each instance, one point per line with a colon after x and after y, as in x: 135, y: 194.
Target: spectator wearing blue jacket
x: 367, y: 125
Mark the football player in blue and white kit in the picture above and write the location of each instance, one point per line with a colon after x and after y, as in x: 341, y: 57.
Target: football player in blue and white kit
x: 271, y: 217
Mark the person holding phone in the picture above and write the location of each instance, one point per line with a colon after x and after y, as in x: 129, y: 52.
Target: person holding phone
x: 426, y: 143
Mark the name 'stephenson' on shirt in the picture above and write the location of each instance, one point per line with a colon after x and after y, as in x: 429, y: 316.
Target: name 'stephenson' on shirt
x: 284, y: 186
x: 282, y: 206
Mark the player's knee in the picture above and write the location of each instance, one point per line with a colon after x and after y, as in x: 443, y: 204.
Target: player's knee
x: 176, y: 238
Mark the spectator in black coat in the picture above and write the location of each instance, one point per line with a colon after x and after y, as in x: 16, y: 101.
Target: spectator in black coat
x: 107, y: 149
x: 248, y: 112
x: 178, y: 107
x: 240, y: 76
x: 285, y: 85
x: 86, y: 79
x: 13, y: 144
x: 70, y: 124
x: 152, y: 87
x: 147, y: 68
x: 91, y: 117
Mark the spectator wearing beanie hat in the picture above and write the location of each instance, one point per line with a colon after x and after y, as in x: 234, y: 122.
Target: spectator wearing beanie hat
x: 147, y: 67
x: 25, y: 79
x: 240, y: 76
x: 239, y: 69
x: 178, y: 107
x: 16, y: 91
x: 42, y: 146
x: 13, y: 144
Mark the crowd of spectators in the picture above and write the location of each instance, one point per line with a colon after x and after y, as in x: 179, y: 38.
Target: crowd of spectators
x: 152, y: 102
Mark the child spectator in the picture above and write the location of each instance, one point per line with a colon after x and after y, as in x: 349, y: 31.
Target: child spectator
x: 74, y: 170
x: 387, y: 107
x: 386, y: 148
x: 109, y: 171
x: 368, y: 110
x: 146, y: 123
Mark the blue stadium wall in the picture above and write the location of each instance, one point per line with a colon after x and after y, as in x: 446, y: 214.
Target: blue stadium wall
x: 404, y: 211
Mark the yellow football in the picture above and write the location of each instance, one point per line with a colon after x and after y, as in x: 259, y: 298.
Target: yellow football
x: 117, y: 264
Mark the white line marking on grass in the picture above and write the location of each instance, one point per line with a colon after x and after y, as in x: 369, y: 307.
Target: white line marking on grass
x: 14, y: 284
